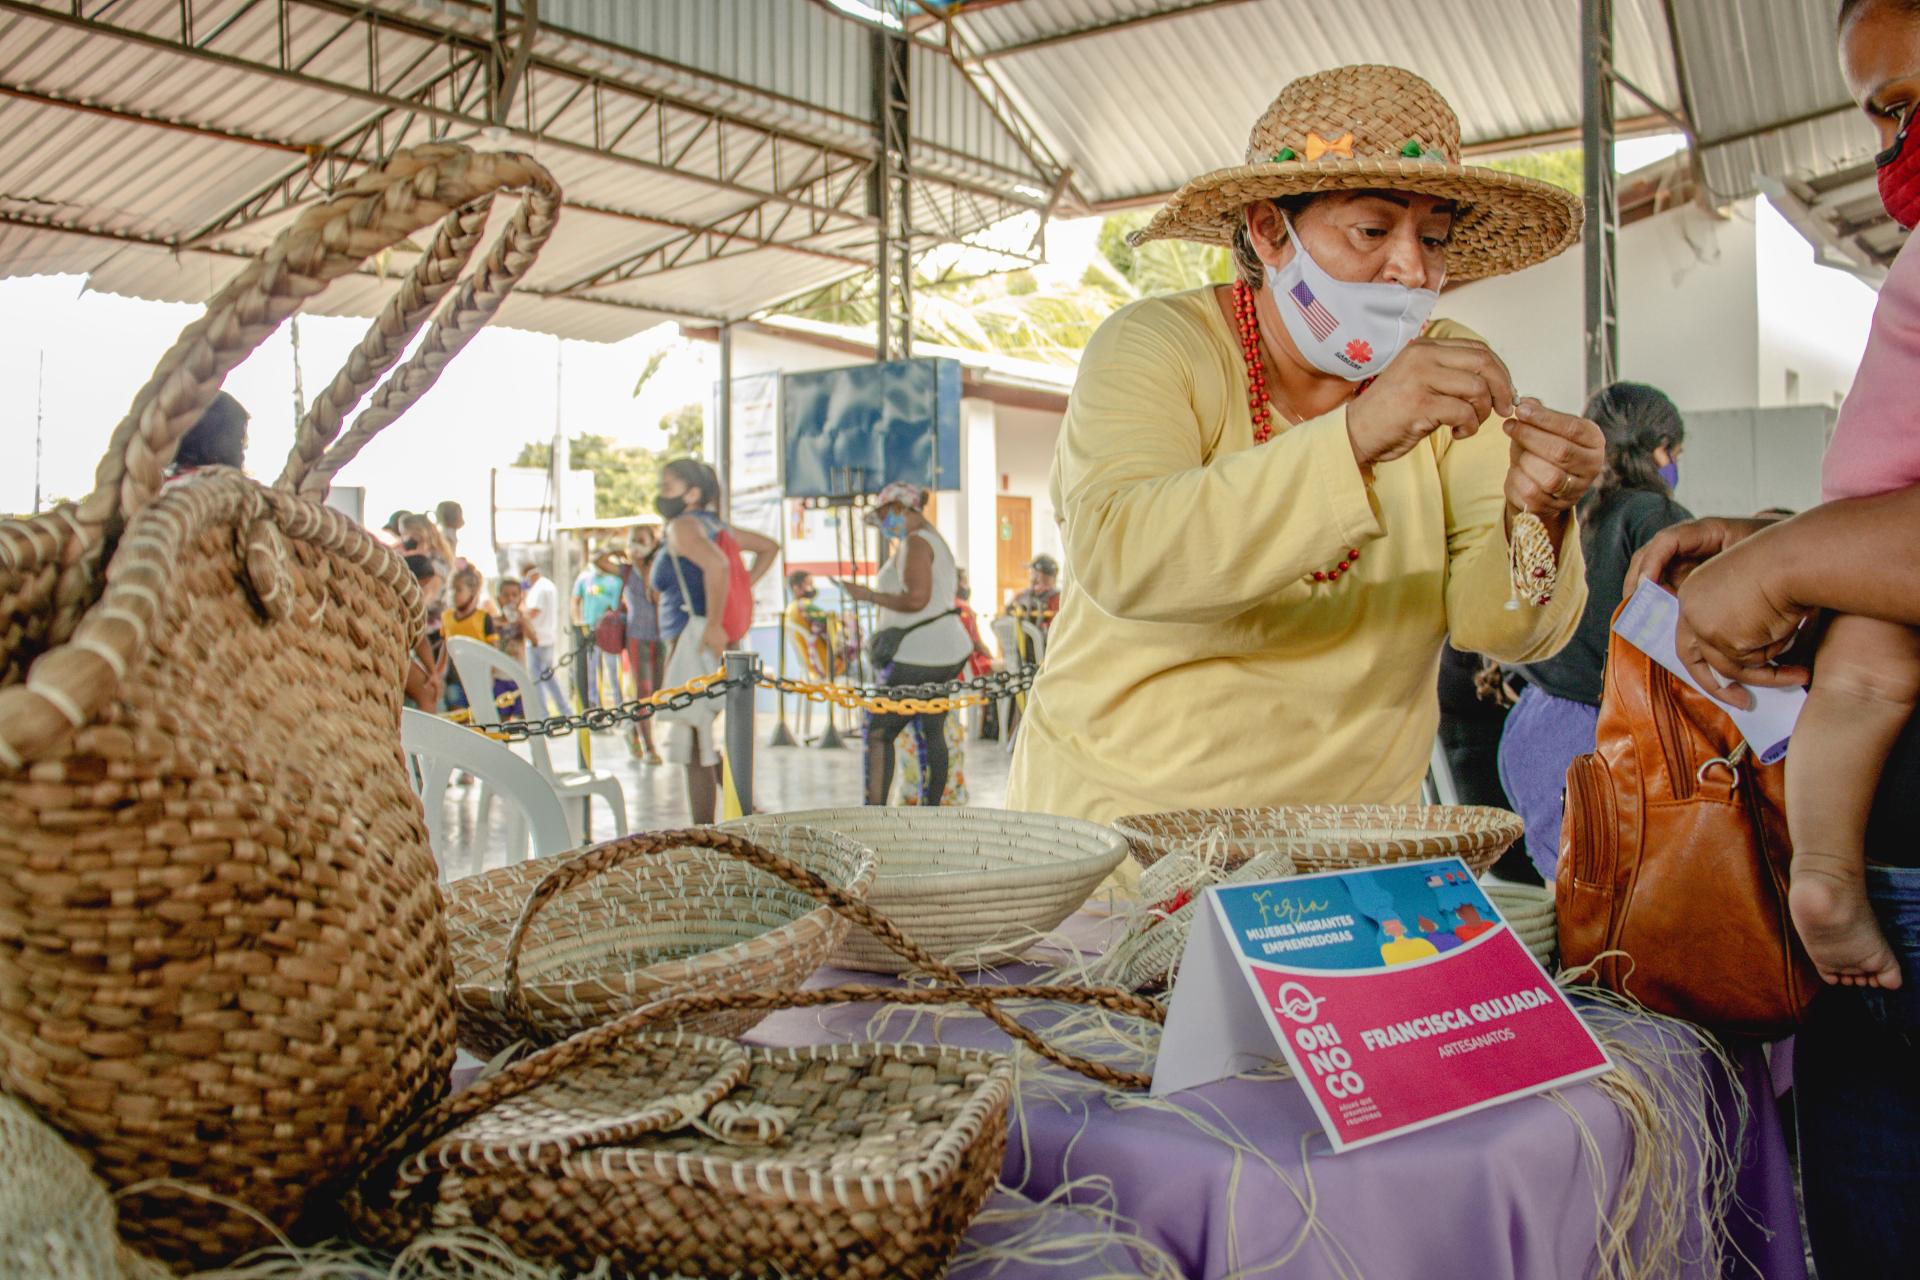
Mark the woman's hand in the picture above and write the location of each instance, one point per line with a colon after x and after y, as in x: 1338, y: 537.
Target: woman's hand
x: 1555, y: 458
x: 1677, y: 550
x: 1734, y: 621
x: 853, y: 590
x: 1436, y: 382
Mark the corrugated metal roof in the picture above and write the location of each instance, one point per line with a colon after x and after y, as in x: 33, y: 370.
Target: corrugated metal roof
x: 1134, y: 96
x: 1139, y: 109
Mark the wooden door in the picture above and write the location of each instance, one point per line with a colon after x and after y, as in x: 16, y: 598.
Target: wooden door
x: 1013, y: 533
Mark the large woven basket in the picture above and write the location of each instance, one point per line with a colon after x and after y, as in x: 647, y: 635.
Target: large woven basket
x: 976, y: 887
x: 637, y: 920
x: 221, y: 952
x: 1330, y: 837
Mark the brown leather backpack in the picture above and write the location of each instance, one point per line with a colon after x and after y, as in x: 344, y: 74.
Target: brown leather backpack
x: 1674, y: 852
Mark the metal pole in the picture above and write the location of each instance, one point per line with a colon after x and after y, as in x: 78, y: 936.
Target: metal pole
x: 1602, y: 209
x: 723, y: 430
x: 743, y: 670
x: 39, y: 419
x: 783, y: 736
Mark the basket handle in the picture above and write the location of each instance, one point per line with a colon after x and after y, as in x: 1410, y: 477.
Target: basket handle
x: 432, y: 278
x: 954, y: 988
x: 473, y: 305
x: 556, y: 1060
x: 381, y: 207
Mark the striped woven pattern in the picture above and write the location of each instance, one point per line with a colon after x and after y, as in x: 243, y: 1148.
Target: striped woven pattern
x: 1329, y: 837
x: 974, y: 886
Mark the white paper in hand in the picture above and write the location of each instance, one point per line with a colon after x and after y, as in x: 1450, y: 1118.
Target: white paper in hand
x: 1648, y: 622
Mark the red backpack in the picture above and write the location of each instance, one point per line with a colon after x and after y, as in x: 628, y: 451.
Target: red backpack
x: 739, y: 616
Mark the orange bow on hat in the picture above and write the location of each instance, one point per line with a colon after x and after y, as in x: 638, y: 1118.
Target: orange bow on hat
x: 1318, y: 146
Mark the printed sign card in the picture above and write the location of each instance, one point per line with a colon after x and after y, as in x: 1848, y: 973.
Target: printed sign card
x: 1397, y: 994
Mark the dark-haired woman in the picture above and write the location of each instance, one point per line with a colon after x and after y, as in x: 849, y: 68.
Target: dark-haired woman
x: 1556, y: 715
x: 704, y: 564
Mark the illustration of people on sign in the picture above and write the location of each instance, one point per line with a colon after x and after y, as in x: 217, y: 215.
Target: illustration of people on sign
x: 1401, y: 947
x: 1471, y: 925
x: 1442, y: 937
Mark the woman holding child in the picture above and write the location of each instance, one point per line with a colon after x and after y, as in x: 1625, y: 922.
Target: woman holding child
x: 1747, y: 589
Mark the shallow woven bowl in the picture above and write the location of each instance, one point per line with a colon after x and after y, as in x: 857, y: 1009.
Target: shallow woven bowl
x: 973, y: 886
x: 1331, y: 837
x: 681, y: 922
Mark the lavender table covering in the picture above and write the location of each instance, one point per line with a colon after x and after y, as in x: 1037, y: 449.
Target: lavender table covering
x: 1506, y: 1194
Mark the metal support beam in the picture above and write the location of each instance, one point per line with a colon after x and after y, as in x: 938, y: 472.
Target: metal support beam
x: 723, y: 429
x: 1602, y: 209
x: 891, y: 190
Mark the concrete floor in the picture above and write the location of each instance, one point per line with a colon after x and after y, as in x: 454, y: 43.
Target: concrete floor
x: 785, y: 778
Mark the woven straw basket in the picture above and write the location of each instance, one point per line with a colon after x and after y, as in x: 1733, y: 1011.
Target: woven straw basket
x: 1148, y: 953
x: 677, y: 1154
x: 1330, y: 837
x: 975, y: 886
x: 1528, y: 911
x: 541, y: 951
x: 221, y: 950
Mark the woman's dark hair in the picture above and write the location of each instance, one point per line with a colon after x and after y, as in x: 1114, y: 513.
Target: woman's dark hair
x: 1637, y: 419
x: 696, y: 474
x: 1246, y: 260
x: 1851, y: 9
x: 219, y: 439
x: 797, y: 577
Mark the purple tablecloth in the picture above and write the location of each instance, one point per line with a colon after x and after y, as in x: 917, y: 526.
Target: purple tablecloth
x: 1505, y: 1194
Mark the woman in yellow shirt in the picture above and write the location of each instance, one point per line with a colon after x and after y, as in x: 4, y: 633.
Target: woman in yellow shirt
x: 1280, y: 496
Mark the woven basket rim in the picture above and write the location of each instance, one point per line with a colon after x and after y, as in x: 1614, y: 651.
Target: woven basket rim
x: 556, y: 993
x: 1043, y: 871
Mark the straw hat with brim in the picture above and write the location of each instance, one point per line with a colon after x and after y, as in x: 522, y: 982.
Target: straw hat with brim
x: 1371, y: 127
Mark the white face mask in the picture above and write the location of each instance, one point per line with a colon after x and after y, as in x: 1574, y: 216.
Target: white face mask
x: 1350, y: 330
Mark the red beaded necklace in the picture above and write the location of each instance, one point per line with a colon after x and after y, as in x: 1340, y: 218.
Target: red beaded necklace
x: 1260, y: 404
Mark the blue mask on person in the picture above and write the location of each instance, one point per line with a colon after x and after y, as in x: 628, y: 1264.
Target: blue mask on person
x: 894, y: 525
x: 1671, y: 474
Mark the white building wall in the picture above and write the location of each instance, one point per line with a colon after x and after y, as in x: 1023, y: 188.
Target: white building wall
x: 1813, y: 320
x: 1026, y: 438
x: 1689, y: 313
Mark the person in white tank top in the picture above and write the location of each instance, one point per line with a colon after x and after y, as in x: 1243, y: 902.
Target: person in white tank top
x: 917, y: 591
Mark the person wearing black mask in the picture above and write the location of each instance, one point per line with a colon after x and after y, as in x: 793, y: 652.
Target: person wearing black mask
x: 704, y: 586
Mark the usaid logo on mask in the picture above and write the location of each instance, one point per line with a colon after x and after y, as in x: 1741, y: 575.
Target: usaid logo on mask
x: 1352, y: 331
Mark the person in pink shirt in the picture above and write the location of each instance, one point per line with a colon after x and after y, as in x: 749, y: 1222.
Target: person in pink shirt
x: 1866, y: 671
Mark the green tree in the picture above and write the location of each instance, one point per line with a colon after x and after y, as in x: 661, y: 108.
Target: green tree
x: 1563, y: 169
x: 686, y: 429
x: 625, y: 476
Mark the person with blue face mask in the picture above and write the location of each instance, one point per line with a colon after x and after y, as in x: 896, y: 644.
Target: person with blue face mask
x: 1558, y: 711
x: 1278, y: 497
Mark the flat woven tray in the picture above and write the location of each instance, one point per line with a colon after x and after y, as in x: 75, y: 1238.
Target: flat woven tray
x: 1330, y: 837
x: 974, y: 886
x: 675, y: 1154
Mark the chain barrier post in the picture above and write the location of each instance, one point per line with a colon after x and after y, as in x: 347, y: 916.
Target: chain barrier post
x: 743, y: 678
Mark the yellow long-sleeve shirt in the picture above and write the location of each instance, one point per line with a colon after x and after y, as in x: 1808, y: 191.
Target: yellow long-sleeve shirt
x: 1192, y: 664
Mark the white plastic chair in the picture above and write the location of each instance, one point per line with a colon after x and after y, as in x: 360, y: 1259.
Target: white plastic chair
x: 1440, y: 786
x: 477, y: 664
x: 435, y: 748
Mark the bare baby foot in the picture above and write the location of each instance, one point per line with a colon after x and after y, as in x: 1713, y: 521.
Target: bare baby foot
x: 1828, y: 902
